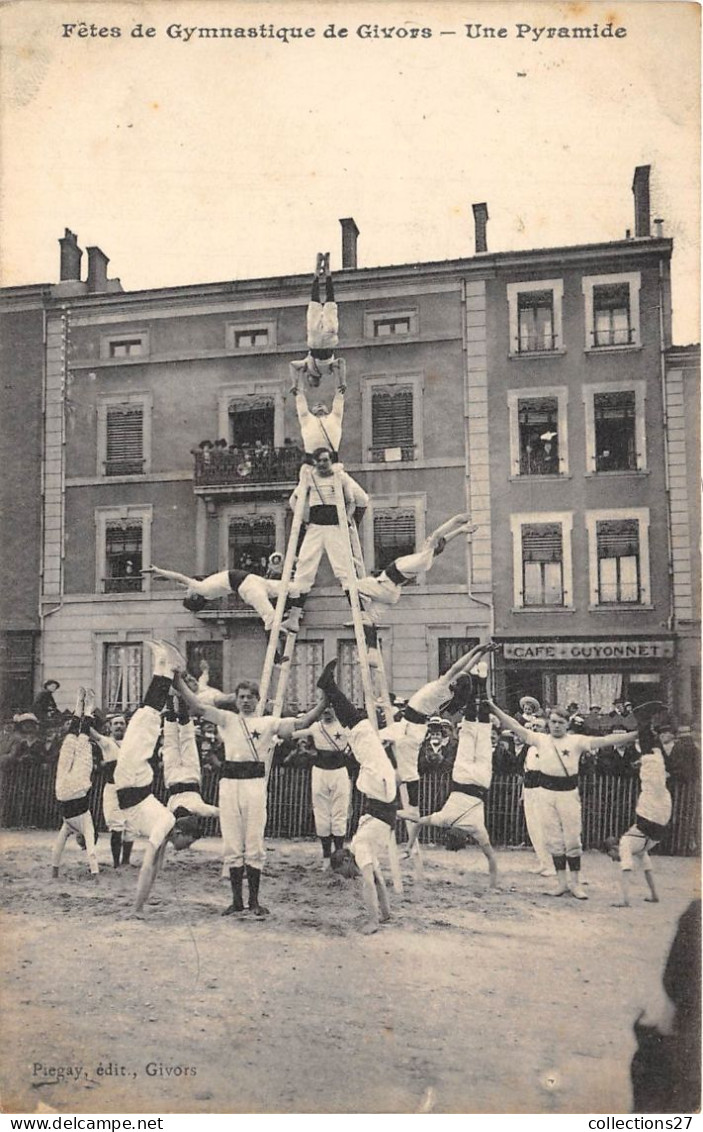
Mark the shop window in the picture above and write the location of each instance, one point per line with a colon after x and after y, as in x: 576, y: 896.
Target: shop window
x: 122, y: 677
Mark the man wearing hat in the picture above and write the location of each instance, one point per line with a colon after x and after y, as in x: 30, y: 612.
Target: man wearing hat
x: 45, y: 706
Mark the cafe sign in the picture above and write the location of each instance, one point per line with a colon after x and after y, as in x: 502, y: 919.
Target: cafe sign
x: 588, y: 650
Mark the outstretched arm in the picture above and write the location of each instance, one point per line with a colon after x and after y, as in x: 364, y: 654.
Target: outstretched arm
x: 511, y: 724
x: 465, y: 662
x: 598, y: 741
x: 172, y: 575
x: 301, y: 722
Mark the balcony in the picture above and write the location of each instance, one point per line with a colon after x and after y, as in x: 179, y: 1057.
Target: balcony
x: 239, y: 471
x: 226, y: 608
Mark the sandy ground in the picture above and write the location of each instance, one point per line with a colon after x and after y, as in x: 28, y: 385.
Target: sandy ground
x: 468, y: 1001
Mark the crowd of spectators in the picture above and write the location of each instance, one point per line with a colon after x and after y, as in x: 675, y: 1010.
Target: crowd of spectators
x: 257, y: 460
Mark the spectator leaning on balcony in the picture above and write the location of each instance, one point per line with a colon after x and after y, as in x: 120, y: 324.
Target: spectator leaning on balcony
x: 251, y: 588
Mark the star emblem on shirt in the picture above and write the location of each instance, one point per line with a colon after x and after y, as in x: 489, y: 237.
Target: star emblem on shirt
x: 256, y: 734
x: 337, y: 735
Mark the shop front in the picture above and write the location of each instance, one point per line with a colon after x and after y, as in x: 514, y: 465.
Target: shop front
x: 589, y: 672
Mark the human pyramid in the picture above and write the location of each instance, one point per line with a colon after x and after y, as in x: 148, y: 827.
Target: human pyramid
x: 388, y: 777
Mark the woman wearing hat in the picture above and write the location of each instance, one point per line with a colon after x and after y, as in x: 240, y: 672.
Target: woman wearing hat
x: 45, y: 706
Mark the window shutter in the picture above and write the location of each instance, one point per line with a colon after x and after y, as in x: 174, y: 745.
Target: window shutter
x: 392, y: 417
x: 393, y: 536
x: 618, y: 538
x: 125, y: 440
x: 542, y: 542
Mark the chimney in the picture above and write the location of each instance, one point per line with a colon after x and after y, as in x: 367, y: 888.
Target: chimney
x: 480, y: 221
x: 640, y: 188
x: 97, y: 269
x: 350, y: 234
x: 659, y: 228
x: 71, y: 256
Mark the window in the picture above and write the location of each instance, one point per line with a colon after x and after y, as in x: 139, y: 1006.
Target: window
x: 539, y: 438
x: 538, y: 432
x: 123, y: 545
x: 392, y: 423
x: 259, y: 335
x: 615, y: 426
x: 618, y: 543
x: 122, y: 677
x: 535, y: 321
x: 305, y: 670
x: 535, y: 316
x: 211, y: 653
x: 124, y: 434
x: 251, y: 419
x: 349, y: 672
x: 122, y: 347
x: 125, y: 441
x: 393, y: 535
x: 247, y: 339
x: 390, y: 324
x: 16, y: 672
x: 542, y: 564
x: 386, y: 327
x: 252, y: 538
x: 449, y: 649
x: 123, y: 558
x: 127, y: 348
x: 612, y: 310
x: 611, y: 315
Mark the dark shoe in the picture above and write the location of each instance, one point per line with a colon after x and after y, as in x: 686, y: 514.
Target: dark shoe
x: 327, y: 678
x: 233, y: 909
x: 259, y: 911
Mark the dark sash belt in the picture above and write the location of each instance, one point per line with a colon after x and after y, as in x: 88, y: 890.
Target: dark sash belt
x: 556, y: 782
x: 236, y: 577
x: 75, y: 807
x: 413, y: 716
x: 470, y: 788
x: 243, y: 770
x: 330, y: 760
x: 532, y: 778
x: 324, y: 515
x: 394, y: 575
x: 130, y: 796
x: 650, y: 828
x: 184, y: 788
x: 384, y: 811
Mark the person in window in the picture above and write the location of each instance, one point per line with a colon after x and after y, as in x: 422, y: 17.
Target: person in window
x: 545, y: 458
x: 322, y: 331
x: 384, y: 587
x: 45, y: 707
x: 251, y: 588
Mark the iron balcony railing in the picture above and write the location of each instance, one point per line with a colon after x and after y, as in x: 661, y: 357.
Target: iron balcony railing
x: 536, y: 343
x: 223, y: 467
x: 614, y: 336
x: 126, y: 585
